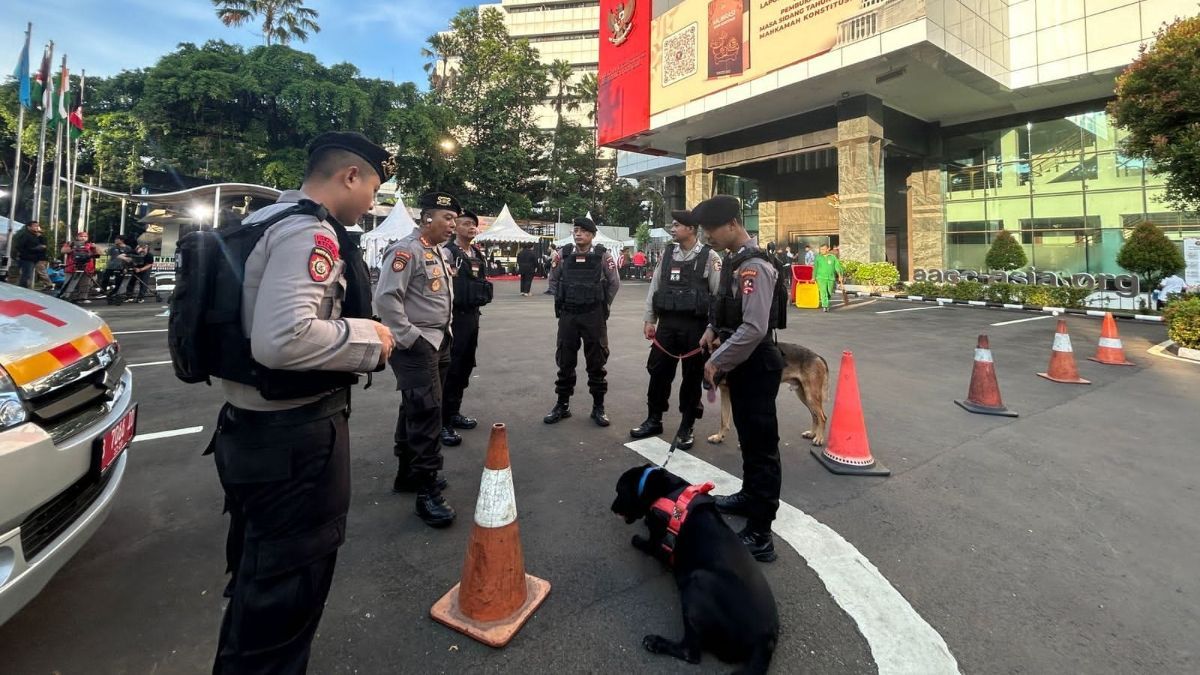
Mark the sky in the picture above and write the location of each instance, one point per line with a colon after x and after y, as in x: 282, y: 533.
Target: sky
x: 383, y: 38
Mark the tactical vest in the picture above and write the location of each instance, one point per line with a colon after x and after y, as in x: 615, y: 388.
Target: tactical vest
x: 727, y: 306
x: 471, y: 287
x: 581, y: 286
x: 682, y: 290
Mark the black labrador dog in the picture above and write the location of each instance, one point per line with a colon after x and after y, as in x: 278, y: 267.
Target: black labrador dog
x: 728, y: 608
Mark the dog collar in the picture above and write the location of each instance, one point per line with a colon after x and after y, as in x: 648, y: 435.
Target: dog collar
x: 645, y: 475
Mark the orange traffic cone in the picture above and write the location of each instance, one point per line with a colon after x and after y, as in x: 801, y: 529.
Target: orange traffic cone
x: 495, y: 597
x: 1111, y: 351
x: 983, y: 395
x: 848, y: 450
x: 1062, y: 359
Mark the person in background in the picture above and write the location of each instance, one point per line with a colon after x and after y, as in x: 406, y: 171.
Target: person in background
x: 81, y: 266
x: 1172, y: 285
x: 28, y: 248
x: 143, y: 263
x: 119, y: 256
x: 526, y: 266
x: 639, y: 265
x: 827, y: 270
x: 809, y: 256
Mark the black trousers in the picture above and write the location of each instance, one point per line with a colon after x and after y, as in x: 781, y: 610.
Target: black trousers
x: 753, y: 386
x: 526, y: 281
x: 287, y: 489
x: 465, y: 325
x: 420, y: 376
x: 679, y: 336
x: 591, y: 329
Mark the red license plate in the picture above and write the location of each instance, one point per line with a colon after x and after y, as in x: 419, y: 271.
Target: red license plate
x: 116, y: 439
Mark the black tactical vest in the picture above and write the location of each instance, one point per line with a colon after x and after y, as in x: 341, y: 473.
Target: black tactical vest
x: 471, y: 287
x: 581, y: 286
x: 682, y: 290
x: 727, y: 306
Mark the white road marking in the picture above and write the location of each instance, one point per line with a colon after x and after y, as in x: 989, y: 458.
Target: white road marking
x: 151, y: 363
x: 900, y: 640
x: 167, y: 434
x: 1032, y: 318
x: 909, y: 309
x: 135, y: 332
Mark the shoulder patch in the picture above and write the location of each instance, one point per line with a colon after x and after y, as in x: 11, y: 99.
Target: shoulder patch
x: 320, y: 265
x: 717, y: 264
x: 748, y: 272
x: 400, y: 260
x: 323, y: 241
x: 612, y: 264
x: 747, y: 284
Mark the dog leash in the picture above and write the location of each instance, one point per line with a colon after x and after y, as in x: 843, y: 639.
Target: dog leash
x: 663, y: 349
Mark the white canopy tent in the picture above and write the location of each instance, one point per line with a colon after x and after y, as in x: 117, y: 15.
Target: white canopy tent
x: 600, y: 239
x: 504, y: 230
x: 395, y: 227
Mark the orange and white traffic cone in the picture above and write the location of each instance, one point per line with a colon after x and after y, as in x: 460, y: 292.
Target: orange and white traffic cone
x: 1110, y: 352
x: 847, y: 450
x: 983, y: 395
x: 495, y: 597
x: 1062, y: 359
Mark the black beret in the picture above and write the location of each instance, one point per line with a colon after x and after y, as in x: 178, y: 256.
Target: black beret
x: 585, y: 224
x: 439, y: 200
x: 684, y: 218
x: 718, y: 210
x: 470, y: 214
x: 351, y: 141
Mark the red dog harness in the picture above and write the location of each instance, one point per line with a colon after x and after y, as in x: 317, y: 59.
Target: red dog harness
x: 677, y: 512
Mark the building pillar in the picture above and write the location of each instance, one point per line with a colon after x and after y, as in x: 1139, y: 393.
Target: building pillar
x: 926, y: 219
x: 768, y: 224
x: 860, y: 179
x: 698, y: 179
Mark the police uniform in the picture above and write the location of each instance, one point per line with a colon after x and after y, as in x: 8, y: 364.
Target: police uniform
x: 284, y: 461
x: 744, y: 317
x: 472, y: 290
x: 584, y: 284
x: 681, y: 289
x: 414, y: 297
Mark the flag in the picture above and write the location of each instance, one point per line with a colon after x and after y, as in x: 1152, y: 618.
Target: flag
x: 76, y: 116
x: 41, y: 81
x: 21, y: 75
x: 62, y: 96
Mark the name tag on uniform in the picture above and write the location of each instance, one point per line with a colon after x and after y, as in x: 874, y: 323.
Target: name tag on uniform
x: 675, y: 272
x: 580, y: 258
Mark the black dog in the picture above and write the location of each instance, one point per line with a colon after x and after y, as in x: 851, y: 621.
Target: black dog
x: 728, y: 608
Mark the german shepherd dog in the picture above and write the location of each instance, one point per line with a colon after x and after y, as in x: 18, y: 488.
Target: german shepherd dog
x: 728, y: 607
x: 807, y: 374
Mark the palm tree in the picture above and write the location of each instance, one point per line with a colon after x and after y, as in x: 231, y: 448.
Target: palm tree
x: 440, y: 47
x: 560, y: 72
x: 586, y: 93
x: 282, y: 20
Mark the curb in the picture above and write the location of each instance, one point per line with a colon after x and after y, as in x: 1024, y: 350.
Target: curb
x: 997, y: 305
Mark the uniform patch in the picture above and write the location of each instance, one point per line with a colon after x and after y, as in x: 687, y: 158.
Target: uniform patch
x: 400, y: 261
x: 435, y: 272
x: 676, y: 272
x: 747, y: 285
x: 748, y: 273
x: 717, y: 265
x: 326, y: 243
x: 436, y: 285
x: 612, y: 264
x: 320, y: 265
x: 429, y: 255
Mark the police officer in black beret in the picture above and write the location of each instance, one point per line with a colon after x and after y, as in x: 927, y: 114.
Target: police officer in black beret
x: 472, y: 291
x: 741, y: 341
x: 584, y: 281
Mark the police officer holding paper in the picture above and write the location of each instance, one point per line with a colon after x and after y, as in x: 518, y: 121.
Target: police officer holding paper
x: 677, y: 306
x: 414, y: 298
x: 472, y: 290
x: 583, y: 279
x: 741, y: 341
x: 282, y: 441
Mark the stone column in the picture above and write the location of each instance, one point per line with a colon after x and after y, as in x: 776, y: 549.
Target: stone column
x: 768, y: 223
x: 926, y: 219
x: 860, y: 179
x: 698, y: 178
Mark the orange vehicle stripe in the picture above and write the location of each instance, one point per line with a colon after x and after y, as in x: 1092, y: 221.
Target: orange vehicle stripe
x: 37, y: 366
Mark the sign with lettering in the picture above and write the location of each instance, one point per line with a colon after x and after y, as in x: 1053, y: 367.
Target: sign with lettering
x: 1124, y: 285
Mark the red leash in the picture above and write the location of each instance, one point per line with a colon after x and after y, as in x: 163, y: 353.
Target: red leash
x: 663, y: 349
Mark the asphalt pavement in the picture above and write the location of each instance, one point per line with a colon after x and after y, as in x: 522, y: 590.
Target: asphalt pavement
x: 1062, y: 540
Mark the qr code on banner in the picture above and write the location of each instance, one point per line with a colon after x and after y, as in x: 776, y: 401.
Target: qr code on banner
x: 679, y: 55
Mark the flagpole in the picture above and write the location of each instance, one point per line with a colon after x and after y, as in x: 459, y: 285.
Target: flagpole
x: 54, y: 205
x: 41, y: 168
x: 16, y: 181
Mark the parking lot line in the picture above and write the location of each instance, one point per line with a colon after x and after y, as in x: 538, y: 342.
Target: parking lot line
x: 909, y: 309
x: 151, y: 363
x: 1032, y: 318
x: 900, y: 640
x: 135, y: 332
x: 167, y: 434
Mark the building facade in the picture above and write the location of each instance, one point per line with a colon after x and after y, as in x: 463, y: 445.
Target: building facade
x: 903, y: 130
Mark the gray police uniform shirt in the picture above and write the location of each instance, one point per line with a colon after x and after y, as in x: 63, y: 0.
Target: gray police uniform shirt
x: 415, y: 293
x: 754, y: 283
x: 292, y: 308
x: 612, y: 279
x: 712, y: 272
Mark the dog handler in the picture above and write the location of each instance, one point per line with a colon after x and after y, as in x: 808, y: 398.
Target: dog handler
x: 741, y: 340
x: 677, y: 305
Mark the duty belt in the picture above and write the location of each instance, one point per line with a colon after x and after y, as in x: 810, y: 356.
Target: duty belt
x: 332, y: 404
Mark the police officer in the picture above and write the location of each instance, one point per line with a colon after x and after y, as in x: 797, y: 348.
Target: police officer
x: 677, y: 306
x: 472, y: 290
x: 583, y: 279
x: 741, y: 340
x: 284, y: 461
x: 414, y: 298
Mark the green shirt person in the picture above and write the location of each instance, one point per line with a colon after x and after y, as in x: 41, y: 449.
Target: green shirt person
x: 827, y: 270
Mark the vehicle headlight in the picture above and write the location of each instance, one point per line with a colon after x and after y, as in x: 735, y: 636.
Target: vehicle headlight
x: 12, y: 410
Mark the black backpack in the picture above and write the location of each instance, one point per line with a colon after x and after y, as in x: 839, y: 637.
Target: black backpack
x: 204, y: 331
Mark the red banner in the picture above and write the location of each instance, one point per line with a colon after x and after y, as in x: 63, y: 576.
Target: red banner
x: 623, y: 109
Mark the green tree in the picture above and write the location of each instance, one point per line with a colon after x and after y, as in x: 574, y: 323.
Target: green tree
x: 1150, y: 255
x: 587, y: 93
x: 118, y: 142
x: 282, y: 20
x: 439, y: 49
x: 642, y: 236
x: 1158, y: 103
x: 1005, y: 253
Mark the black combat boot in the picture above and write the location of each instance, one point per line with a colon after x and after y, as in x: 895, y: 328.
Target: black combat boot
x: 450, y: 437
x: 598, y: 414
x: 652, y: 426
x: 432, y: 507
x: 759, y: 541
x: 685, y: 440
x: 560, y: 411
x: 457, y: 421
x: 736, y: 504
